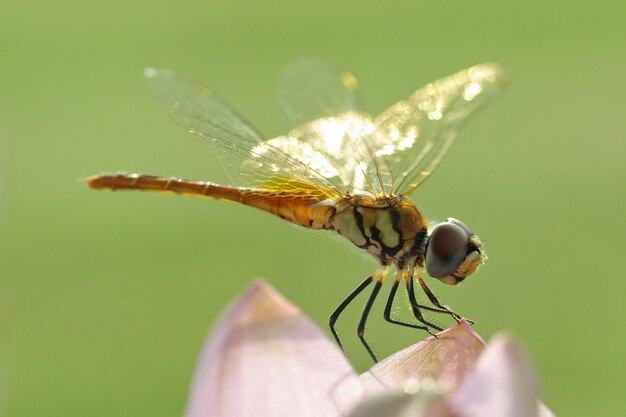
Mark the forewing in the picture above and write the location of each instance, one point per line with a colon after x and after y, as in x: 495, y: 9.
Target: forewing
x: 413, y: 135
x: 245, y: 154
x: 311, y: 89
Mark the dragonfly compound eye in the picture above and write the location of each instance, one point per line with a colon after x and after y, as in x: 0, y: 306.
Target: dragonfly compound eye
x: 453, y: 252
x: 446, y: 250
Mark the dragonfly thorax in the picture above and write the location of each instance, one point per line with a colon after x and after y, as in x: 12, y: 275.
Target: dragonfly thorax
x: 390, y: 228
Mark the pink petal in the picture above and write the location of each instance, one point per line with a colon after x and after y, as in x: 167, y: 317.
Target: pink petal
x: 445, y: 359
x: 265, y: 358
x: 503, y: 384
x: 543, y: 411
x: 403, y: 404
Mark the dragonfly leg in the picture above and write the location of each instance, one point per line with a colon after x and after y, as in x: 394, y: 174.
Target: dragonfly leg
x: 344, y: 304
x: 366, y: 311
x: 389, y: 307
x: 433, y: 299
x: 439, y: 310
x: 416, y: 307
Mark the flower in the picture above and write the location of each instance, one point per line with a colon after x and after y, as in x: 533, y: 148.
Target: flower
x: 265, y: 358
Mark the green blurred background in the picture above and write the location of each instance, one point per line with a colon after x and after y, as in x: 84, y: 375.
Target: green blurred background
x: 106, y: 299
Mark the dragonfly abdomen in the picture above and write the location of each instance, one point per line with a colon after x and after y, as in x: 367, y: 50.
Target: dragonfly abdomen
x: 308, y: 212
x: 130, y: 181
x: 305, y: 211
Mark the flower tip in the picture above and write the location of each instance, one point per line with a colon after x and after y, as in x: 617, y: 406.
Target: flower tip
x: 461, y: 330
x: 263, y: 302
x: 258, y: 285
x: 465, y: 324
x: 510, y: 349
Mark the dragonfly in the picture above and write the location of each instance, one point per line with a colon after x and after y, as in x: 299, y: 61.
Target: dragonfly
x: 340, y: 169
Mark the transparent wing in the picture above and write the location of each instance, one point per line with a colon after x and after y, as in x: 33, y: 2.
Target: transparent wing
x: 344, y: 141
x: 413, y: 135
x: 247, y: 157
x: 322, y: 100
x: 311, y: 89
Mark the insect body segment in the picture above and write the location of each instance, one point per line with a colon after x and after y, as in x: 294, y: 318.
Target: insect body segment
x: 339, y: 169
x: 303, y: 209
x: 390, y: 229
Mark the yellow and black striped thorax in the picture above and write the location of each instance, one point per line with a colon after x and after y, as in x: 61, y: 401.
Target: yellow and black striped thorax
x: 391, y: 228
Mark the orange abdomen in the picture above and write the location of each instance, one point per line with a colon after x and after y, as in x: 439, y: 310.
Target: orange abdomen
x: 302, y: 209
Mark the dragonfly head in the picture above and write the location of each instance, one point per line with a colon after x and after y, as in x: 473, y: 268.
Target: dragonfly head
x: 453, y: 252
